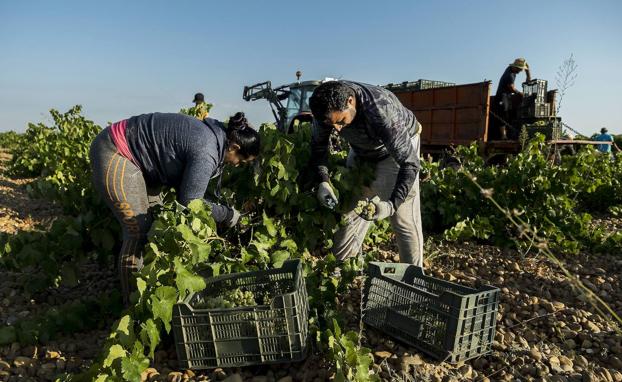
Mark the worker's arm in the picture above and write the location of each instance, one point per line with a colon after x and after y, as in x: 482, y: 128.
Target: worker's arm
x: 320, y: 140
x: 527, y: 72
x: 394, y: 134
x: 200, y: 166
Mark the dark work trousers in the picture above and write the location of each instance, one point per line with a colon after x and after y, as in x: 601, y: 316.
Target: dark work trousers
x: 122, y: 186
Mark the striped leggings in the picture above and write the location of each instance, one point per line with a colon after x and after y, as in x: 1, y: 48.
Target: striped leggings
x: 122, y: 186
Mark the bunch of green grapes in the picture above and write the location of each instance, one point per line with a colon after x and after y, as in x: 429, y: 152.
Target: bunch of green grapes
x: 266, y: 299
x: 365, y: 209
x: 217, y: 302
x: 231, y: 299
x: 242, y: 298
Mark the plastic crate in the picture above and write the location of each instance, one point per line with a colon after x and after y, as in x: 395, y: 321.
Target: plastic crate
x: 243, y: 336
x: 420, y: 84
x: 551, y: 129
x: 431, y: 84
x: 536, y: 110
x: 445, y: 320
x: 536, y: 88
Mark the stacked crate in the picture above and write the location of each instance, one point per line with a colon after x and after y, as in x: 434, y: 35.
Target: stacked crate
x: 420, y: 84
x: 535, y: 103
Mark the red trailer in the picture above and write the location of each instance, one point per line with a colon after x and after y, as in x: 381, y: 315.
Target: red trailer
x: 453, y: 115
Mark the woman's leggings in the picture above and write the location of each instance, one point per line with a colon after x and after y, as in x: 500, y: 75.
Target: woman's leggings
x: 120, y: 182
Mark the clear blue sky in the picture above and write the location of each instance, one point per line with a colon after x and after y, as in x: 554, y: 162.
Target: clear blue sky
x: 122, y: 58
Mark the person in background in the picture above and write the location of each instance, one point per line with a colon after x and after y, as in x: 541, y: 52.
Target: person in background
x: 605, y: 137
x: 508, y: 97
x: 201, y: 108
x: 199, y: 98
x: 381, y: 132
x: 164, y: 149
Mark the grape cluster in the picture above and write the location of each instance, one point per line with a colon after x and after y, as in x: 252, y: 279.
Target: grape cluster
x: 230, y: 299
x: 365, y: 209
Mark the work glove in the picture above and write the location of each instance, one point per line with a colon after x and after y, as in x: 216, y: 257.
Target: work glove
x: 234, y: 218
x: 383, y: 209
x: 326, y: 195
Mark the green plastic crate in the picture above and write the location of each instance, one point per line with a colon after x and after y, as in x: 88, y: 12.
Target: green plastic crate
x: 445, y: 320
x: 243, y: 336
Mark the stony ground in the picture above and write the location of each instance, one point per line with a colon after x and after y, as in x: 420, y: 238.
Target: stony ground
x: 546, y: 331
x: 18, y: 211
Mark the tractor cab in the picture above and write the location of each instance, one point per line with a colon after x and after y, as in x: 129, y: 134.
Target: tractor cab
x: 297, y: 108
x: 289, y: 103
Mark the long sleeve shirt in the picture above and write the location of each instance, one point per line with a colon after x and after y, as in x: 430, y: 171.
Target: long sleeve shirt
x: 179, y: 151
x: 382, y: 127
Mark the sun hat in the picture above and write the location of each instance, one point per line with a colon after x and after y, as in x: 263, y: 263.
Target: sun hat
x: 520, y: 63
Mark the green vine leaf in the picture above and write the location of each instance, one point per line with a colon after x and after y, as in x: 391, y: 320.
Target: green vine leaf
x: 162, y: 305
x: 115, y: 352
x: 187, y: 283
x: 150, y: 335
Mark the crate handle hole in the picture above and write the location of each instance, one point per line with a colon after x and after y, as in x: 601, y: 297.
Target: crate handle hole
x: 390, y: 270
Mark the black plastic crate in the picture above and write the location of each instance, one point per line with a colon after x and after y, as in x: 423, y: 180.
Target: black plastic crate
x: 536, y: 88
x: 243, y: 336
x: 445, y: 320
x: 536, y: 110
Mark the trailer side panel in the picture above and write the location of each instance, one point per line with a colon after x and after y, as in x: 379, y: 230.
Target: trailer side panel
x: 455, y: 115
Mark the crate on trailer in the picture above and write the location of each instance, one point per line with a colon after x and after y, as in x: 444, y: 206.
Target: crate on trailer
x: 243, y: 336
x: 420, y: 84
x: 536, y: 110
x: 551, y: 128
x: 431, y: 84
x: 448, y: 321
x: 535, y: 88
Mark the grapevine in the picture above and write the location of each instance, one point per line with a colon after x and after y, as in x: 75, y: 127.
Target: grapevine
x: 200, y: 111
x: 284, y: 221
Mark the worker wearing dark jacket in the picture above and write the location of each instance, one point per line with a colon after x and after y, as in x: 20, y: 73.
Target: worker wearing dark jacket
x: 154, y: 150
x: 381, y: 131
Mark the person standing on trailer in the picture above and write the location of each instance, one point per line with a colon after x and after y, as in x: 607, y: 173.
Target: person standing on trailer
x: 508, y: 97
x: 380, y: 131
x: 164, y: 149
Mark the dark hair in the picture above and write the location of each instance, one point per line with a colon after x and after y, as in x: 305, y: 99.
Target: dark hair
x: 240, y: 132
x: 328, y: 97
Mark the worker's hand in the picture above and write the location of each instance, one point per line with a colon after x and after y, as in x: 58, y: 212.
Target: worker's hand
x: 383, y: 209
x: 235, y: 217
x: 326, y: 195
